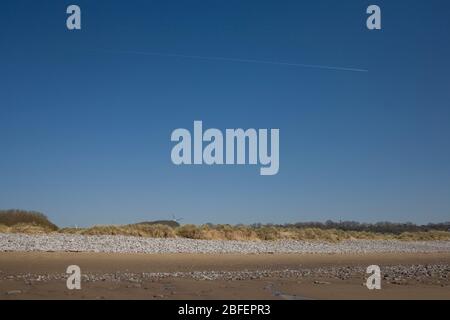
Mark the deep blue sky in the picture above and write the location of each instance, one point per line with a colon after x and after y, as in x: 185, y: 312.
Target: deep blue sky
x: 85, y: 123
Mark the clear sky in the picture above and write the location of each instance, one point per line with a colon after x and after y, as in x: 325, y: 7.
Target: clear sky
x: 86, y: 120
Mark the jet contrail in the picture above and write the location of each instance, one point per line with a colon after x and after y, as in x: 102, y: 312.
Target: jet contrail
x: 298, y: 65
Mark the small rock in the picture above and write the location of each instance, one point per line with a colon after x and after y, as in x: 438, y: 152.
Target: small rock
x: 321, y: 282
x: 13, y: 292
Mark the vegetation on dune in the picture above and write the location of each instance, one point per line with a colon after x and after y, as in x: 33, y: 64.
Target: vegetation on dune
x: 424, y: 235
x: 219, y: 232
x: 137, y: 230
x: 170, y: 223
x: 249, y: 233
x: 16, y: 221
x: 378, y: 227
x: 25, y: 228
x: 26, y: 220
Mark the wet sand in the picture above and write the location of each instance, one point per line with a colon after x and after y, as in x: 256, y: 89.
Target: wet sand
x: 20, y: 274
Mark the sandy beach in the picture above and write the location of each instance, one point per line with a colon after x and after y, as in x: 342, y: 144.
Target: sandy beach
x: 41, y: 275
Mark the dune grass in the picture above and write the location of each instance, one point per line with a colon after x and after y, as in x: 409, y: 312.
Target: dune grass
x: 137, y: 230
x: 29, y: 222
x: 14, y: 218
x: 228, y: 232
x: 28, y: 228
x: 248, y: 233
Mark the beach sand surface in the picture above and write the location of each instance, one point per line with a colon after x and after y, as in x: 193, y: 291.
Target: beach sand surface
x: 41, y: 275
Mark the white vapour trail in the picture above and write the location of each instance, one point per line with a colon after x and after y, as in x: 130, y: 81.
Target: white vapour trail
x: 298, y: 65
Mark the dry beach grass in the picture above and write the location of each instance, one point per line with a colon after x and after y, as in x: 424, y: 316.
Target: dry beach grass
x: 227, y: 232
x: 30, y: 222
